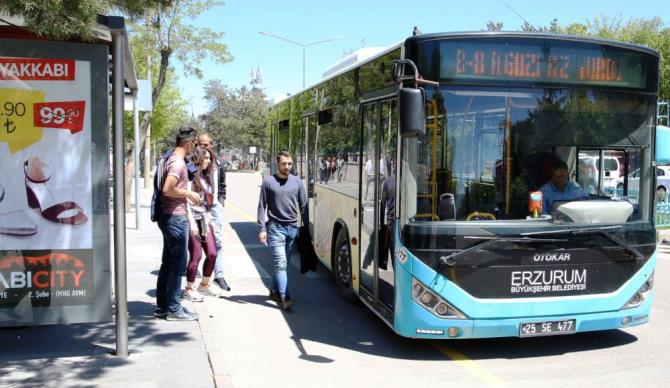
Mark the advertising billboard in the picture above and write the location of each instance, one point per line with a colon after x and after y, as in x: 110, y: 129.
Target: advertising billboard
x: 54, y: 210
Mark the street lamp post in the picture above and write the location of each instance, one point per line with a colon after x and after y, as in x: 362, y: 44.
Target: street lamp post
x: 303, y: 46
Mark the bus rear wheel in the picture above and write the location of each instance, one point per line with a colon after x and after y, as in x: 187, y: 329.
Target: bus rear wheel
x: 342, y: 267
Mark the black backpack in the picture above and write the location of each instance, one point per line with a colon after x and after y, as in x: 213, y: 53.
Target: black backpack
x: 159, y: 180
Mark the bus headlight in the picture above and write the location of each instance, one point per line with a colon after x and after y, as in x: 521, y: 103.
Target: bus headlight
x: 433, y: 303
x: 641, y: 294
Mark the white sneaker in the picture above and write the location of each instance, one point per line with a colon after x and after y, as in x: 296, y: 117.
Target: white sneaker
x: 208, y: 291
x: 192, y: 295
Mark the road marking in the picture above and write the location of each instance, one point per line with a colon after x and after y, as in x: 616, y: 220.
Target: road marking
x: 470, y: 366
x: 241, y: 212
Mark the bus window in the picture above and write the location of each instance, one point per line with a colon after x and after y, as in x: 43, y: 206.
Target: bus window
x: 494, y: 148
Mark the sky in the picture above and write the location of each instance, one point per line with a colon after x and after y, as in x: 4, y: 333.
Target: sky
x: 363, y: 23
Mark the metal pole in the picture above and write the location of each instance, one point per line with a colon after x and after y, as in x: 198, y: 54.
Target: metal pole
x: 303, y: 67
x: 147, y: 139
x: 136, y: 127
x: 120, y: 284
x: 147, y: 158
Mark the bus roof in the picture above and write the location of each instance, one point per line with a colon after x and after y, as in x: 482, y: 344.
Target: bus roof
x: 474, y: 34
x: 379, y: 53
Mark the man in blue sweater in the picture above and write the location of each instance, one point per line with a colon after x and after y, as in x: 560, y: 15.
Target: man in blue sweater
x: 282, y: 197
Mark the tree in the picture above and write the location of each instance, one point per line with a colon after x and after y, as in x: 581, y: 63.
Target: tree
x: 70, y: 19
x: 170, y: 110
x: 167, y: 35
x: 494, y: 26
x: 237, y: 118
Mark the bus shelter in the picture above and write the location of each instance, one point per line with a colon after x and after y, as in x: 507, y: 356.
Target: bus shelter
x: 55, y: 156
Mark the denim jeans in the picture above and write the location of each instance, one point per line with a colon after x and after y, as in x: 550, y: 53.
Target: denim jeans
x: 280, y: 240
x: 217, y: 217
x: 173, y: 264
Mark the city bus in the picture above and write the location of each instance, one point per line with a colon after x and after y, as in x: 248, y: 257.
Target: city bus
x: 424, y: 163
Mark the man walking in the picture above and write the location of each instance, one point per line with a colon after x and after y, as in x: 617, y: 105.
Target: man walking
x: 282, y: 196
x: 173, y: 223
x: 219, y: 186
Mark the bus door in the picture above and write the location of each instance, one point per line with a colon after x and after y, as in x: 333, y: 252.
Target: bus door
x: 377, y: 278
x: 312, y: 168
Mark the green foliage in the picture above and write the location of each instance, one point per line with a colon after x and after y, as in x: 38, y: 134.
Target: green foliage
x: 58, y: 19
x: 166, y: 31
x: 237, y: 118
x: 72, y: 19
x: 494, y: 26
x: 170, y: 109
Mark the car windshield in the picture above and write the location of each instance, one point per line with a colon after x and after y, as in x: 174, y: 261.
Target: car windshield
x: 488, y: 152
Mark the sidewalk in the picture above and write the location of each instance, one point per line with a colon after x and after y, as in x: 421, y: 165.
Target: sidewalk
x: 162, y: 353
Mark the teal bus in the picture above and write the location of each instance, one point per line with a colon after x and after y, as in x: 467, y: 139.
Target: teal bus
x: 423, y: 164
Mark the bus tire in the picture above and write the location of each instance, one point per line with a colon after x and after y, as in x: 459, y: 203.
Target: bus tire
x: 342, y: 267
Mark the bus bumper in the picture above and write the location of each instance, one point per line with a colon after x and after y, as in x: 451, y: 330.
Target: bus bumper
x: 423, y: 324
x: 414, y: 321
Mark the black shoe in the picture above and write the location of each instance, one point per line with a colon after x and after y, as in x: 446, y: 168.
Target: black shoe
x: 221, y: 282
x: 160, y: 313
x: 182, y: 315
x: 274, y: 296
x: 286, y: 303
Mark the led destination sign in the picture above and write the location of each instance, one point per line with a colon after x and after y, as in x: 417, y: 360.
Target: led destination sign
x: 570, y: 65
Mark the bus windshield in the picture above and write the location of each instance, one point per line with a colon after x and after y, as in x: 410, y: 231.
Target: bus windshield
x: 488, y: 151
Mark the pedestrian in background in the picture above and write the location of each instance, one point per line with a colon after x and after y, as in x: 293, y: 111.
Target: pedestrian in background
x: 387, y: 228
x: 173, y: 223
x: 219, y: 186
x: 282, y: 197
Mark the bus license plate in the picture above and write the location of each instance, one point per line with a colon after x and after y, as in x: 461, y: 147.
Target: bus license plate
x: 537, y: 329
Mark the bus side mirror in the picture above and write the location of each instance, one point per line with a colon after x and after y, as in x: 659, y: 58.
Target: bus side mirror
x: 412, y: 112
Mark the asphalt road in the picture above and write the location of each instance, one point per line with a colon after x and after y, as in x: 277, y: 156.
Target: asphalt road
x: 327, y: 342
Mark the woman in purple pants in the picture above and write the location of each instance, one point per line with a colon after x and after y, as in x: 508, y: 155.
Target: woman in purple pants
x: 201, y: 228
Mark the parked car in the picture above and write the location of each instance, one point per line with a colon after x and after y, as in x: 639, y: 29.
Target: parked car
x: 662, y: 181
x: 230, y: 166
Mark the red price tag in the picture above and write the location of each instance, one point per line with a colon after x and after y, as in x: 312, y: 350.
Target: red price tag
x: 61, y: 114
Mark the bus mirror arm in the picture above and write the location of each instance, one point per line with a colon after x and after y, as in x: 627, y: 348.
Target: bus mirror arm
x: 411, y: 100
x: 400, y: 76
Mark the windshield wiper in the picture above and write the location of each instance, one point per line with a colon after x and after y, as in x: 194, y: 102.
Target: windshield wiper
x: 602, y: 230
x: 450, y: 259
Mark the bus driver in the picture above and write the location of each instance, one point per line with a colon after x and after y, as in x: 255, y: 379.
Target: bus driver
x: 560, y: 188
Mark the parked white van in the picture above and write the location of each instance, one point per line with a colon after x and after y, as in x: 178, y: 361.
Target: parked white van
x: 588, y: 172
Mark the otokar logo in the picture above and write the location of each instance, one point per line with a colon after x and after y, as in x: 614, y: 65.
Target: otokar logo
x: 551, y: 257
x: 542, y: 281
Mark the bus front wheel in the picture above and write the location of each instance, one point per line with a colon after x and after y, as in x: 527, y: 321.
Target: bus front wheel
x: 342, y: 267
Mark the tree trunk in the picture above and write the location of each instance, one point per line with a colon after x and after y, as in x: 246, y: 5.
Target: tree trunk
x: 129, y: 169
